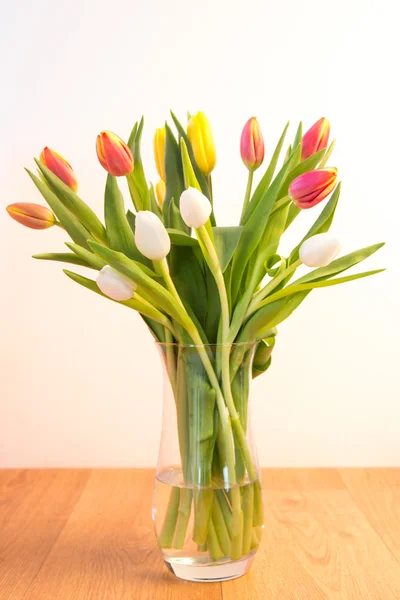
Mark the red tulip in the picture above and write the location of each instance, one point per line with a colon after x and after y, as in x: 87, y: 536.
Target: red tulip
x: 252, y: 145
x: 34, y: 216
x: 309, y: 189
x: 60, y: 167
x: 316, y: 138
x: 113, y: 154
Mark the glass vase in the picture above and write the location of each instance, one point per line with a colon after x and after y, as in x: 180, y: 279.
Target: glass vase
x: 207, y: 502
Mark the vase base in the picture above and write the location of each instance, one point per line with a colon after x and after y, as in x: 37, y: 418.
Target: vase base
x: 219, y: 571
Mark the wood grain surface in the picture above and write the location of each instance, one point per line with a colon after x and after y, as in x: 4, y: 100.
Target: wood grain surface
x: 88, y: 535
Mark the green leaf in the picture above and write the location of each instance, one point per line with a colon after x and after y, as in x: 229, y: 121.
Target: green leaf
x: 262, y: 356
x: 189, y: 278
x: 292, y: 214
x: 299, y: 136
x: 136, y: 179
x: 266, y: 179
x: 65, y: 257
x: 188, y: 171
x: 132, y: 137
x: 154, y: 206
x: 119, y: 233
x: 74, y: 203
x: 321, y: 225
x: 340, y: 264
x: 226, y: 240
x: 91, y: 259
x: 304, y: 287
x: 180, y: 238
x: 174, y: 174
x: 77, y: 232
x: 288, y: 153
x: 131, y: 220
x: 270, y: 268
x: 254, y: 228
x: 327, y: 154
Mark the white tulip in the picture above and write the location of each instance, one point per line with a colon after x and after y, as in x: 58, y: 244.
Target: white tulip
x: 195, y: 208
x: 114, y: 284
x: 151, y: 237
x: 319, y: 250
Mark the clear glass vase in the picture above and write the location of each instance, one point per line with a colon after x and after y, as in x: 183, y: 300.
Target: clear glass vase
x: 207, y: 502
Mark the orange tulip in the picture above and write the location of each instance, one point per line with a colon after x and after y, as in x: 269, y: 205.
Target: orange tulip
x: 34, y: 216
x: 316, y: 138
x: 311, y: 188
x: 113, y: 154
x: 60, y: 167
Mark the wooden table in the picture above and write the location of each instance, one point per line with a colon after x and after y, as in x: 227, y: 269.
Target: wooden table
x: 88, y: 535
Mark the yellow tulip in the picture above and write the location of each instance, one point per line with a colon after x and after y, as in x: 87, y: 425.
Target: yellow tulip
x: 160, y: 191
x: 201, y: 139
x: 159, y: 151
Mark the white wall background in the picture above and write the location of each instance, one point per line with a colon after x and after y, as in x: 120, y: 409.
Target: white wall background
x: 80, y: 380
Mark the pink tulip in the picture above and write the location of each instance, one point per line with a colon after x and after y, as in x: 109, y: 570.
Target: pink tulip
x: 316, y: 138
x: 252, y: 145
x: 60, y: 167
x: 311, y: 188
x: 113, y: 154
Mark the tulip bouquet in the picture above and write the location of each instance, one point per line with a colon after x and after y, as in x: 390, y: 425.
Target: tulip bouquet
x: 200, y: 285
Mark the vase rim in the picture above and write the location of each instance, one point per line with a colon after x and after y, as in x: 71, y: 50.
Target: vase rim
x: 208, y: 345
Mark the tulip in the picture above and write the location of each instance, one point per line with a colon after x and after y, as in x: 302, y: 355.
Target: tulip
x: 309, y: 189
x: 160, y: 191
x: 113, y: 154
x: 195, y: 208
x: 114, y: 285
x: 159, y: 151
x: 151, y: 237
x: 201, y: 139
x: 34, y: 216
x: 319, y: 250
x: 60, y: 167
x: 316, y: 138
x: 252, y: 145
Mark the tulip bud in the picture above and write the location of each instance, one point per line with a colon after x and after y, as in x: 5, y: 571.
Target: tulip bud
x: 309, y: 189
x: 160, y: 191
x: 201, y: 139
x: 252, y: 145
x: 151, y: 237
x: 60, y: 167
x: 113, y: 154
x: 316, y: 138
x: 195, y: 208
x: 319, y: 250
x: 159, y: 151
x: 34, y: 216
x: 114, y: 284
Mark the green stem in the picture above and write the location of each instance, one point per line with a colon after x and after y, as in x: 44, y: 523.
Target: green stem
x: 185, y: 505
x: 248, y: 505
x: 247, y: 194
x: 220, y: 527
x: 168, y: 529
x: 170, y: 356
x: 213, y: 544
x: 237, y: 524
x: 163, y: 266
